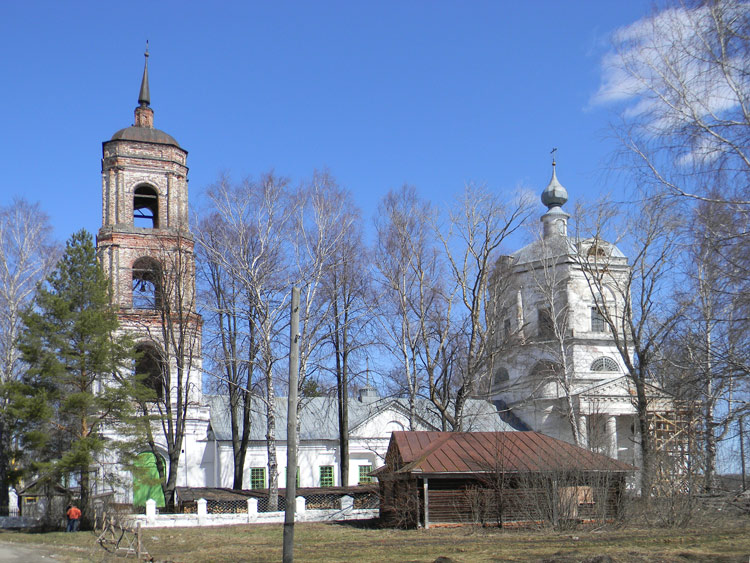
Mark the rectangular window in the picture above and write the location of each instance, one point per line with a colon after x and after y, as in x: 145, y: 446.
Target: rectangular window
x: 546, y: 326
x: 364, y: 476
x: 257, y: 477
x: 597, y: 321
x: 326, y: 475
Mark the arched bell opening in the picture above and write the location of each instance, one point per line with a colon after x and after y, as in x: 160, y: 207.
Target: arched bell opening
x: 150, y: 368
x: 146, y: 284
x: 146, y: 207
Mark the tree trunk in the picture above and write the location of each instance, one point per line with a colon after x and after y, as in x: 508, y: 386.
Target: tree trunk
x: 273, y: 481
x: 86, y: 509
x: 4, y: 466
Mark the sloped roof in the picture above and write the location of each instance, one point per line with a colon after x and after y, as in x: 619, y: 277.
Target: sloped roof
x: 144, y: 135
x: 319, y: 416
x: 472, y: 452
x: 552, y: 247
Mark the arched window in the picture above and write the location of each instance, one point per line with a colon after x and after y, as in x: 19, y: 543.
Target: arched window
x: 146, y: 207
x: 500, y: 377
x: 604, y: 364
x: 597, y: 249
x: 149, y: 368
x: 545, y: 369
x: 394, y: 426
x: 146, y: 284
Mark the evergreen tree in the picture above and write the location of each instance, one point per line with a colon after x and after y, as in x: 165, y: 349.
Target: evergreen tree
x: 74, y: 355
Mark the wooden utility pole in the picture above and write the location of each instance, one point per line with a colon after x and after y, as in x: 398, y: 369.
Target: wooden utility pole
x: 291, y: 430
x: 742, y: 454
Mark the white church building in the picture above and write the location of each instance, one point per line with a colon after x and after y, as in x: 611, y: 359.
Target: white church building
x: 558, y: 370
x: 144, y: 234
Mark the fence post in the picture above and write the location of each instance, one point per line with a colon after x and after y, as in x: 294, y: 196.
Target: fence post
x: 346, y: 502
x: 138, y: 539
x: 252, y: 509
x: 299, y: 506
x: 150, y: 508
x: 202, y: 507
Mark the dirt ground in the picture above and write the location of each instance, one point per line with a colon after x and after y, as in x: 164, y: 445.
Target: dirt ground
x: 723, y: 543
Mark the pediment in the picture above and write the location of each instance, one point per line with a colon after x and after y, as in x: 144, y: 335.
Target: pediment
x: 620, y: 387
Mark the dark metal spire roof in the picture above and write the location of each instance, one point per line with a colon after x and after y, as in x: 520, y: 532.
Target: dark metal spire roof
x: 143, y: 129
x: 144, y: 96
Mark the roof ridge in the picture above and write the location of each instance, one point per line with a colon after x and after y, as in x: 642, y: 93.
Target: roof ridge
x: 431, y: 448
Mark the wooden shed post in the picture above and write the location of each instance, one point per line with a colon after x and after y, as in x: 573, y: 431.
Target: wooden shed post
x: 426, y: 503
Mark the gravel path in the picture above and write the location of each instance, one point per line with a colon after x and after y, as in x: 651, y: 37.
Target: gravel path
x: 12, y: 553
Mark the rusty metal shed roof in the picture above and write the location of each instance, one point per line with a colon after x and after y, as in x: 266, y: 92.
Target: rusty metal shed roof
x: 472, y: 452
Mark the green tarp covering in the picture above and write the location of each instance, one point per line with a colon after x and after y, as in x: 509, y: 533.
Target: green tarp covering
x: 146, y: 483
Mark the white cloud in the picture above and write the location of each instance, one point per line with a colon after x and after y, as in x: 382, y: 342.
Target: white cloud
x: 674, y: 71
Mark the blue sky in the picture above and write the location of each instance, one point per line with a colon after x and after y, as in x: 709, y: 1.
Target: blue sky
x: 433, y: 94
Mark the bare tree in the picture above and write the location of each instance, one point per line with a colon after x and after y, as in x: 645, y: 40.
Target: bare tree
x: 408, y: 265
x: 681, y: 77
x: 477, y: 228
x: 27, y: 255
x: 232, y: 342
x: 323, y: 220
x: 346, y: 286
x: 552, y: 278
x: 330, y: 270
x: 710, y: 350
x: 257, y: 218
x: 165, y: 291
x: 635, y: 301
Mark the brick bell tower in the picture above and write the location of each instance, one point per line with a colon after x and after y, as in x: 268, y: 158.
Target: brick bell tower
x: 146, y: 249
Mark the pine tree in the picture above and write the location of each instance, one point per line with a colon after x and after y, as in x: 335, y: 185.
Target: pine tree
x: 74, y: 355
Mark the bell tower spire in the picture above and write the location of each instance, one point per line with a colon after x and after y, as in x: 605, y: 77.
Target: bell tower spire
x: 144, y: 115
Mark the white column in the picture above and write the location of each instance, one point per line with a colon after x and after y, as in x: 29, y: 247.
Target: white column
x: 612, y: 436
x: 202, y: 507
x: 583, y: 431
x: 426, y: 504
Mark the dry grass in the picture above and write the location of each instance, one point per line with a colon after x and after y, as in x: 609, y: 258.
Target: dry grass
x: 332, y: 542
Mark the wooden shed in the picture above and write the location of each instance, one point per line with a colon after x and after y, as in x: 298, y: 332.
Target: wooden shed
x: 496, y: 478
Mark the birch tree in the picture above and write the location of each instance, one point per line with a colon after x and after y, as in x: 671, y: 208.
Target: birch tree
x: 27, y: 254
x: 477, y: 228
x: 258, y: 218
x: 407, y: 262
x: 635, y: 300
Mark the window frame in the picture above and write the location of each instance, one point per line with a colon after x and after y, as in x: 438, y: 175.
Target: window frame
x: 364, y: 479
x: 254, y: 479
x: 597, y: 320
x: 324, y: 480
x: 608, y: 365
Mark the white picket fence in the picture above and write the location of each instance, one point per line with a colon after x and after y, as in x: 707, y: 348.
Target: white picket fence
x: 202, y: 518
